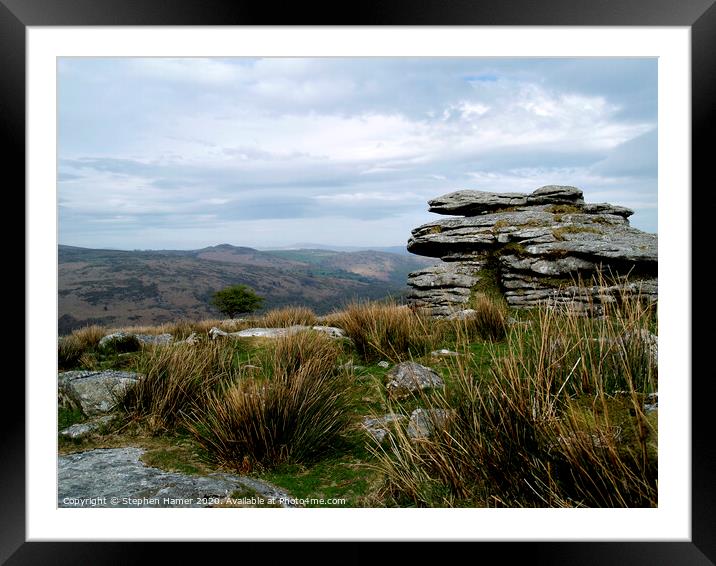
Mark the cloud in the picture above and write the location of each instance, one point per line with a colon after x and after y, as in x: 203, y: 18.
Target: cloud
x: 225, y: 142
x: 204, y: 71
x: 635, y: 158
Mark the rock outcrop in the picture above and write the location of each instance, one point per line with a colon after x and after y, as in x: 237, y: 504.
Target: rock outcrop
x: 530, y: 248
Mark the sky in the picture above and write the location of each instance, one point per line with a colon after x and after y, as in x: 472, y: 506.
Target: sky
x: 159, y: 153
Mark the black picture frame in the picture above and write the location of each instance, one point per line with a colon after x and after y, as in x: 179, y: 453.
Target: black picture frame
x: 699, y: 15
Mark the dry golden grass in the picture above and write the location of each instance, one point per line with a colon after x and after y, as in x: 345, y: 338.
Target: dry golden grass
x: 175, y: 377
x: 294, y: 411
x: 288, y: 316
x: 71, y: 349
x: 489, y: 321
x: 558, y: 421
x: 388, y: 331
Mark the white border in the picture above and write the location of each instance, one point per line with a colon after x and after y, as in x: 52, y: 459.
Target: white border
x: 671, y: 521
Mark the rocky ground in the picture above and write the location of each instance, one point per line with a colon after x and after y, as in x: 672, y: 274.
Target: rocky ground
x: 115, y: 477
x: 94, y: 472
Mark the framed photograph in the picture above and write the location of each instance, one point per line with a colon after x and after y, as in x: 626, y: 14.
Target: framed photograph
x: 162, y: 143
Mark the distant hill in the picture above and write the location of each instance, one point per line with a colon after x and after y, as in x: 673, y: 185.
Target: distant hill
x: 116, y: 287
x: 400, y: 250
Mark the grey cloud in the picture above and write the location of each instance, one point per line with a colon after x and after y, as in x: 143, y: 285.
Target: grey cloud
x: 201, y: 172
x: 637, y: 157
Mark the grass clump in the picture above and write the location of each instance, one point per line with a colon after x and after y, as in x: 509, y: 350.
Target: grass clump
x: 175, y: 377
x: 489, y: 321
x: 288, y: 354
x: 563, y: 209
x: 560, y: 232
x: 294, y: 413
x: 71, y: 348
x: 67, y: 416
x: 380, y: 331
x: 488, y: 285
x: 558, y: 420
x: 288, y: 316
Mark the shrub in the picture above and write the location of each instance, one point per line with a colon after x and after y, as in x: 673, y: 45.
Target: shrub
x: 387, y: 330
x: 294, y: 413
x: 235, y: 300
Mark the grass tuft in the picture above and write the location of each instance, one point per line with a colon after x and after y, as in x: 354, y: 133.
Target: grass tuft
x: 295, y: 412
x: 175, y: 377
x: 387, y: 331
x: 70, y: 349
x: 288, y: 316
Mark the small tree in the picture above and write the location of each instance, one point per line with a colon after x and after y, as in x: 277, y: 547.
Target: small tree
x: 236, y: 299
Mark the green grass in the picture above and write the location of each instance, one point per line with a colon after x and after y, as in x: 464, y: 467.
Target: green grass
x: 345, y: 476
x: 183, y: 456
x: 68, y: 417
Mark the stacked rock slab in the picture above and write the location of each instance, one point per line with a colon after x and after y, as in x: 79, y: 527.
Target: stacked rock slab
x: 531, y: 248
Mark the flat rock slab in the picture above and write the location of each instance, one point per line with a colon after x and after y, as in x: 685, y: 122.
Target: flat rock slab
x: 80, y: 430
x: 115, y: 477
x: 471, y: 203
x: 331, y: 331
x: 93, y: 392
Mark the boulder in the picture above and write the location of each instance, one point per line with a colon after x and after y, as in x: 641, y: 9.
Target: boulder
x: 192, y: 339
x: 408, y: 378
x: 155, y: 339
x: 93, y: 392
x: 424, y: 422
x: 379, y: 427
x: 331, y: 331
